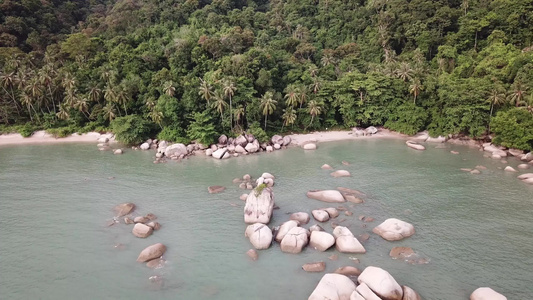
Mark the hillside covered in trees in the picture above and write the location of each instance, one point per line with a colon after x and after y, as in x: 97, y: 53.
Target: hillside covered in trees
x: 190, y: 69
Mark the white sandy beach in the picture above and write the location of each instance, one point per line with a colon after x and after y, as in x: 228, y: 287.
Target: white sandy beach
x: 331, y: 136
x: 41, y: 137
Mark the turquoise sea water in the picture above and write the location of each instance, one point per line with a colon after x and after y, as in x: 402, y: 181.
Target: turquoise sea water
x: 55, y: 201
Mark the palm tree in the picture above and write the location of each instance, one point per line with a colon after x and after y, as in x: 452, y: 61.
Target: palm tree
x: 268, y: 105
x: 95, y: 94
x: 238, y: 113
x: 63, y: 112
x: 219, y: 103
x: 292, y: 95
x: 109, y: 94
x: 169, y: 89
x: 109, y: 111
x: 415, y: 89
x: 289, y: 117
x: 229, y: 91
x: 518, y: 94
x: 328, y: 59
x: 157, y: 117
x: 122, y: 98
x: 27, y: 100
x: 82, y: 106
x: 316, y: 85
x: 404, y: 72
x: 313, y: 70
x: 314, y: 109
x: 205, y: 90
x: 69, y: 82
x: 496, y: 98
x: 303, y: 95
x: 46, y: 80
x: 8, y: 81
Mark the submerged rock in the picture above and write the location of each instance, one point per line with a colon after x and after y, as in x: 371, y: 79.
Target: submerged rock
x: 401, y: 252
x: 302, y: 217
x: 124, y: 209
x: 326, y: 196
x: 314, y: 267
x: 326, y: 167
x: 310, y: 146
x: 215, y: 189
x: 340, y: 173
x: 252, y: 254
x: 348, y: 271
x: 415, y: 145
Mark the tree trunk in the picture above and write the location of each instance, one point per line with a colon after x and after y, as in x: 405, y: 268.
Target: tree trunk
x: 230, y: 114
x: 266, y: 116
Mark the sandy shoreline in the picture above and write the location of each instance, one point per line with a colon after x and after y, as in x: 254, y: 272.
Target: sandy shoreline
x: 332, y: 136
x: 41, y: 137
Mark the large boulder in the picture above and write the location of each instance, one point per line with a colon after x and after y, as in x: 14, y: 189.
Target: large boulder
x: 240, y: 149
x: 260, y: 235
x: 295, y: 240
x: 321, y: 240
x: 284, y: 229
x: 381, y: 283
x: 152, y: 252
x: 421, y: 136
x: 485, y: 293
x: 259, y: 206
x: 310, y: 146
x: 251, y: 148
x: 439, y: 139
x: 366, y: 292
x: 320, y: 215
x: 394, y: 230
x: 333, y: 287
x: 332, y: 196
x: 340, y: 173
x: 124, y: 209
x: 144, y: 146
x: 176, y: 150
x: 286, y: 140
x: 222, y: 140
x: 525, y: 176
x: 220, y: 153
x: 527, y: 157
x: 415, y: 145
x: 346, y: 242
x: 301, y: 217
x: 240, y: 141
x: 142, y: 231
x: 356, y: 296
x: 371, y: 130
x: 277, y: 139
x: 348, y: 271
x: 409, y: 293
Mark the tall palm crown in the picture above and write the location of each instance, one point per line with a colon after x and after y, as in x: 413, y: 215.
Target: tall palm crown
x: 268, y: 105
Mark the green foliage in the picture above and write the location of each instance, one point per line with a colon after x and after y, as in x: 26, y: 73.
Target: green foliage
x: 61, y: 132
x: 514, y: 129
x: 173, y: 134
x: 26, y: 130
x: 258, y: 132
x: 131, y: 129
x: 202, y: 129
x: 407, y: 118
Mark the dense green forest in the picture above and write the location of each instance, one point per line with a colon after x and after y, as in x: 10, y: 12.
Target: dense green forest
x: 191, y: 69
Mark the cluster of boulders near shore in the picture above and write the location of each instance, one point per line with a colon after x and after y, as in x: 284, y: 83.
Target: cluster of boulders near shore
x: 347, y: 282
x: 143, y: 227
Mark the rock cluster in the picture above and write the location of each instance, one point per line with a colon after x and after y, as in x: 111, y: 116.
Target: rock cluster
x: 372, y: 284
x: 357, y: 131
x: 245, y: 144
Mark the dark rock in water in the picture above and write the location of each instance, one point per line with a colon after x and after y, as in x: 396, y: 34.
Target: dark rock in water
x: 215, y: 189
x: 128, y: 220
x: 345, y: 163
x: 401, y: 252
x: 140, y: 220
x: 350, y: 191
x: 150, y: 217
x: 152, y: 252
x: 252, y: 254
x: 155, y: 263
x: 154, y: 225
x: 368, y: 220
x: 314, y: 267
x: 348, y: 213
x: 124, y: 209
x: 364, y: 237
x: 334, y: 257
x: 223, y: 139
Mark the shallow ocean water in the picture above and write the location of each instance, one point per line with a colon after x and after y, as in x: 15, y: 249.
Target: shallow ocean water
x: 55, y: 201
